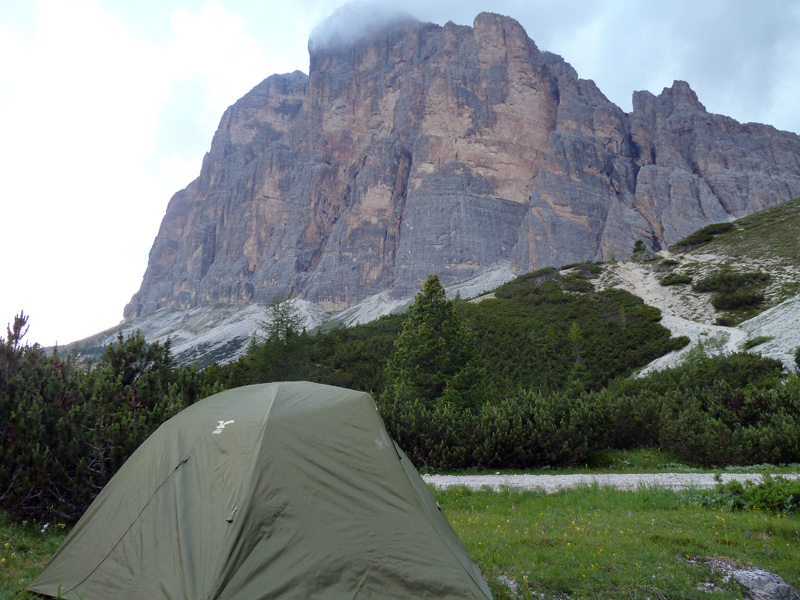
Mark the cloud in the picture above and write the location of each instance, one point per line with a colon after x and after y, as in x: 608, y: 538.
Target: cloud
x: 80, y: 84
x: 353, y: 21
x: 212, y: 60
x: 100, y: 129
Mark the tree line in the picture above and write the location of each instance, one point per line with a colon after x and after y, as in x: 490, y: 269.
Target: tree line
x: 537, y: 375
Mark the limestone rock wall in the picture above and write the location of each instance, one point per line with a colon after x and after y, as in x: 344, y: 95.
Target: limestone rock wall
x: 422, y: 149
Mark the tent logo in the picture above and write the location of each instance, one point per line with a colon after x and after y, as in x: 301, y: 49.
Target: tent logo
x: 221, y: 426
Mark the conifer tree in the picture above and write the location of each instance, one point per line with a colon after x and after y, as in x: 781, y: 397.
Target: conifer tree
x: 433, y: 348
x: 277, y: 355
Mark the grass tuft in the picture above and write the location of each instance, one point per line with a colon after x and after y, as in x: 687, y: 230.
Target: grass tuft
x: 25, y: 548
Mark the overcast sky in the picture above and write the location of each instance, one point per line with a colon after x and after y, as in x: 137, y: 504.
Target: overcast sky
x: 107, y: 107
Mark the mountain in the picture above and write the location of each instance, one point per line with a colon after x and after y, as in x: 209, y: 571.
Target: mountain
x: 764, y: 242
x: 412, y: 149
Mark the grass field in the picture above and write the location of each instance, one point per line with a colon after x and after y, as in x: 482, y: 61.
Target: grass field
x: 584, y: 543
x: 24, y: 550
x: 599, y: 543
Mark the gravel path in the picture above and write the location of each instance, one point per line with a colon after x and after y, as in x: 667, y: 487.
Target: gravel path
x: 553, y: 483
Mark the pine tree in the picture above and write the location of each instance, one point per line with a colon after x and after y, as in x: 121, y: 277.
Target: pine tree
x: 433, y: 348
x: 277, y: 356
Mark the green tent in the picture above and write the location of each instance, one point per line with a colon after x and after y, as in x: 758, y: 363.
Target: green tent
x: 283, y: 490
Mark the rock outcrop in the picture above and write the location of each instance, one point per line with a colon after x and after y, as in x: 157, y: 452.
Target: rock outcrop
x: 415, y: 149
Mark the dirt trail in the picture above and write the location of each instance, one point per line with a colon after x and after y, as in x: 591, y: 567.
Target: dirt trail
x: 553, y: 483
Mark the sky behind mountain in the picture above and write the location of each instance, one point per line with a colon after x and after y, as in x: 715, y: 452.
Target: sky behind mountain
x: 107, y: 108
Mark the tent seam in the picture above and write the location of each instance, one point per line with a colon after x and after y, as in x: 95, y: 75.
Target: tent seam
x: 215, y: 593
x: 138, y: 516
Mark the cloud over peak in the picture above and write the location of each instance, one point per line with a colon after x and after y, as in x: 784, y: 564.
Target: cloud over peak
x: 355, y: 21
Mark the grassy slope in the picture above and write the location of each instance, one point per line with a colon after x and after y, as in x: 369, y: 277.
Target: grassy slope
x: 768, y: 240
x: 773, y: 233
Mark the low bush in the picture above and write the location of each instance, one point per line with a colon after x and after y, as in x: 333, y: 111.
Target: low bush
x: 713, y: 411
x: 66, y: 430
x: 588, y: 268
x: 730, y: 281
x: 756, y: 341
x: 519, y: 431
x: 734, y: 300
x: 675, y: 278
x: 703, y: 235
x: 774, y: 494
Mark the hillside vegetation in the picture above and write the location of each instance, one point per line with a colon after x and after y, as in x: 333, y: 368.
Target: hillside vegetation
x: 750, y: 264
x: 535, y: 374
x: 445, y: 380
x: 772, y: 234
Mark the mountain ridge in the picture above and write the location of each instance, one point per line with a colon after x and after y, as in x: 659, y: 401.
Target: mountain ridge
x: 453, y: 150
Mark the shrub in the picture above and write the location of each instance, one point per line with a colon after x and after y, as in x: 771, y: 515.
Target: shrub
x: 533, y: 429
x: 523, y: 430
x: 734, y: 300
x: 730, y: 281
x: 675, y: 278
x: 729, y: 420
x: 756, y: 341
x: 66, y: 430
x: 588, y: 269
x: 774, y: 494
x: 703, y: 235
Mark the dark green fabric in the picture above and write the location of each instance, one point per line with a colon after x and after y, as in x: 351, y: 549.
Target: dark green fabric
x: 303, y: 495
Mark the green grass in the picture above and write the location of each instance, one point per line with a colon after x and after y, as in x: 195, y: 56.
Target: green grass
x: 587, y: 542
x: 599, y: 543
x: 24, y: 550
x: 773, y: 233
x: 756, y: 341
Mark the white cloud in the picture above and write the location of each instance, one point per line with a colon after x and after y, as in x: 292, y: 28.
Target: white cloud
x: 91, y: 153
x: 78, y: 122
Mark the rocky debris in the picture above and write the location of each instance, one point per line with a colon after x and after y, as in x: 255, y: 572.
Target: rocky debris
x: 690, y: 313
x: 760, y: 584
x: 627, y: 481
x: 781, y: 326
x: 511, y: 584
x: 645, y: 256
x: 413, y: 149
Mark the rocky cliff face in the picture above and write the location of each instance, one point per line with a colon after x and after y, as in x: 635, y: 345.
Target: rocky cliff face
x: 419, y: 149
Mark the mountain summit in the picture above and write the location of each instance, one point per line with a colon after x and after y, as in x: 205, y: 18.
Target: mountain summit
x: 413, y: 149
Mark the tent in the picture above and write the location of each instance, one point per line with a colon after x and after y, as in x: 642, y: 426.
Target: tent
x: 283, y: 490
